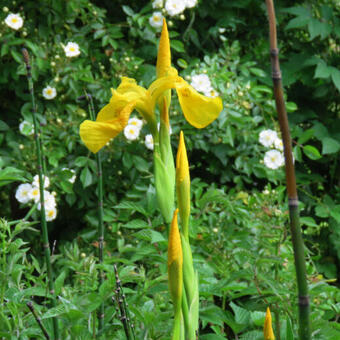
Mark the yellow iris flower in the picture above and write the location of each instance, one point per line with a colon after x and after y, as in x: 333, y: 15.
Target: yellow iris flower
x: 198, y: 110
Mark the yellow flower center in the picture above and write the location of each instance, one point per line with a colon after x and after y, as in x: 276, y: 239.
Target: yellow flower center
x: 132, y: 131
x: 14, y: 20
x: 156, y: 18
x: 49, y: 91
x: 72, y: 49
x: 50, y: 213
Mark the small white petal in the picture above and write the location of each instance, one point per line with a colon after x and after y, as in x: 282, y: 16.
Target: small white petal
x: 71, y: 49
x: 156, y: 20
x: 49, y: 92
x: 273, y: 159
x: 14, y: 21
x: 131, y: 132
x: 23, y: 193
x: 267, y: 137
x: 149, y: 142
x: 174, y: 7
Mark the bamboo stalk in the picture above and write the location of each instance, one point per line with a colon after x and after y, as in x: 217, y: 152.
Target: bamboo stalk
x: 37, y: 319
x: 298, y: 245
x: 46, y: 244
x: 101, y: 311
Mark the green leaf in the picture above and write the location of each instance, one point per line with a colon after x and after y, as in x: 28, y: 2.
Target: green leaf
x: 330, y: 145
x: 3, y: 126
x: 311, y: 152
x: 128, y: 11
x: 177, y: 45
x: 291, y: 106
x: 289, y: 329
x: 11, y: 174
x: 308, y: 221
x: 182, y: 63
x: 135, y: 224
x: 335, y: 73
x: 242, y: 316
x: 86, y: 177
x: 322, y: 70
x: 258, y: 318
x: 258, y: 72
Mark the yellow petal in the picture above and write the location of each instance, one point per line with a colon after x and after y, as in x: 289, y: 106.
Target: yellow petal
x: 96, y: 134
x: 175, y: 246
x: 198, y: 110
x: 182, y: 164
x: 268, y: 329
x: 164, y: 54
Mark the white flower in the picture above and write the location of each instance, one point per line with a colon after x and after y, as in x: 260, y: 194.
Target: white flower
x: 51, y: 214
x: 136, y: 122
x: 23, y: 193
x: 149, y: 142
x: 49, y: 92
x: 26, y: 128
x: 156, y: 20
x: 73, y: 178
x: 35, y: 194
x: 72, y: 49
x: 211, y: 93
x: 157, y: 4
x: 14, y: 21
x: 273, y: 159
x: 49, y: 201
x: 131, y: 132
x: 35, y: 182
x: 278, y: 144
x: 174, y: 7
x: 267, y: 137
x: 190, y: 3
x: 201, y: 82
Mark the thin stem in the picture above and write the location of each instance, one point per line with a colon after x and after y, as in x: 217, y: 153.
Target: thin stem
x: 101, y: 311
x: 298, y: 245
x: 123, y: 308
x: 37, y: 319
x: 46, y: 244
x: 27, y: 216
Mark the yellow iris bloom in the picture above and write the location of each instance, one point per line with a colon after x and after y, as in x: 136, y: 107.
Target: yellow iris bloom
x: 198, y: 110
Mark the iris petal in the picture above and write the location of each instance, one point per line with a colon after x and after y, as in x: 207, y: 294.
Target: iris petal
x: 96, y: 134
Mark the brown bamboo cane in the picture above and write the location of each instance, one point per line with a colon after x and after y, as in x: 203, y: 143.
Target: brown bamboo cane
x: 298, y: 245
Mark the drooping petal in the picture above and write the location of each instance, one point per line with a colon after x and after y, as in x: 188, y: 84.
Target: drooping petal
x: 198, y: 110
x: 96, y: 134
x: 164, y: 54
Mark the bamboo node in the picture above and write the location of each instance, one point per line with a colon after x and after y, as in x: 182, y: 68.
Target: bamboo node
x: 274, y: 52
x: 46, y: 245
x: 293, y: 202
x: 304, y: 301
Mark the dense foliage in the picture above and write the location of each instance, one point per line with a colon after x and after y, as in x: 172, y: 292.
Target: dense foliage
x: 239, y: 233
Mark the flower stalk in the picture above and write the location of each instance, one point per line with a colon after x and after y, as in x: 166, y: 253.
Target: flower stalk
x: 101, y: 310
x: 297, y: 240
x: 46, y: 245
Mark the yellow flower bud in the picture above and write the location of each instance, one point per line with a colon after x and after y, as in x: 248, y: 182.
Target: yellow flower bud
x: 175, y: 264
x: 268, y: 329
x: 164, y: 54
x: 183, y: 185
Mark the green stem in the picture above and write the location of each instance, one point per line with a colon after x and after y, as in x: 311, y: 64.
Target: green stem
x: 101, y: 311
x: 46, y: 244
x: 37, y: 319
x: 298, y: 245
x: 24, y: 219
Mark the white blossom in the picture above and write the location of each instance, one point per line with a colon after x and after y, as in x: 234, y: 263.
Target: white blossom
x: 49, y: 92
x: 26, y: 128
x: 211, y: 93
x: 278, y: 144
x: 35, y: 182
x: 49, y: 201
x: 71, y: 49
x: 149, y: 142
x: 190, y: 3
x: 136, y: 122
x: 35, y: 194
x: 157, y: 4
x: 174, y: 7
x: 51, y: 214
x: 156, y: 20
x: 131, y: 132
x: 14, y: 21
x: 267, y: 137
x: 273, y: 159
x: 23, y: 193
x: 201, y: 83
